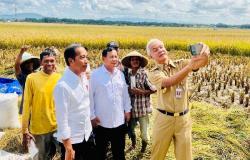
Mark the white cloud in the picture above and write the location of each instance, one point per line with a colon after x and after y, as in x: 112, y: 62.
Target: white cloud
x: 65, y: 3
x: 197, y: 11
x: 106, y: 5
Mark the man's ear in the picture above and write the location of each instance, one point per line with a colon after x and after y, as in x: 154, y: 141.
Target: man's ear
x: 70, y: 60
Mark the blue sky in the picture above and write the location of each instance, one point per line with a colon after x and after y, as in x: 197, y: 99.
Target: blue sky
x: 180, y: 11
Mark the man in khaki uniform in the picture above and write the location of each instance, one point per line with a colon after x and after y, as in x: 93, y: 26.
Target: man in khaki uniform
x: 172, y: 120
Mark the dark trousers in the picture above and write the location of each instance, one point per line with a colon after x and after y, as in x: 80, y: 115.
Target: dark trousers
x: 83, y: 151
x: 116, y: 136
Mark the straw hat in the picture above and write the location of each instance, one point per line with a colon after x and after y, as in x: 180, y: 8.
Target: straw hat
x: 126, y: 59
x: 26, y: 57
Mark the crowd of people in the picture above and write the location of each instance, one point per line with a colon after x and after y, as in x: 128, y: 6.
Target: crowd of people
x: 79, y: 114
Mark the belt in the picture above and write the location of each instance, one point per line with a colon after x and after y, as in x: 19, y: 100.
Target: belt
x: 177, y: 114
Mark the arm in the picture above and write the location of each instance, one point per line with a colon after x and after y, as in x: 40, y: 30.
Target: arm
x: 27, y: 105
x: 138, y: 91
x: 19, y: 59
x: 177, y: 78
x: 95, y: 121
x: 62, y: 104
x: 126, y: 102
x: 149, y: 88
x: 63, y: 130
x: 196, y: 62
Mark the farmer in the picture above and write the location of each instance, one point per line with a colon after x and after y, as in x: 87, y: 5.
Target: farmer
x: 24, y: 65
x: 139, y: 89
x: 172, y: 120
x: 39, y: 120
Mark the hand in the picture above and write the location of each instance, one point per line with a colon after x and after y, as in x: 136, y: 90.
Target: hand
x: 26, y: 141
x: 69, y: 151
x: 205, y: 49
x: 137, y: 91
x: 70, y: 154
x: 200, y: 60
x: 24, y: 48
x: 95, y: 122
x: 127, y: 116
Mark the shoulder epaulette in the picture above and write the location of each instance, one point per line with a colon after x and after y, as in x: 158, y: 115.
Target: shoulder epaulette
x: 155, y: 68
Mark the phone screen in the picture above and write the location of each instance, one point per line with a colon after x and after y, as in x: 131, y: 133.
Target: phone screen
x: 195, y: 49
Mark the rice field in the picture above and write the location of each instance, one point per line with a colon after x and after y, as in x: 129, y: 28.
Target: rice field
x: 226, y: 41
x: 219, y: 93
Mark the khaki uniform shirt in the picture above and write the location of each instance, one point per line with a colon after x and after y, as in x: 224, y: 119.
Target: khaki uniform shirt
x: 166, y: 97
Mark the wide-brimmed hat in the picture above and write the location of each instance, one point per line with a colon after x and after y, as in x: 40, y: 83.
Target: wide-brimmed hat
x: 27, y: 57
x: 126, y: 59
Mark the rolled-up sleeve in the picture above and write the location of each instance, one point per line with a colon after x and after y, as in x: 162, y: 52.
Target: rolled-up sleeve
x: 61, y: 102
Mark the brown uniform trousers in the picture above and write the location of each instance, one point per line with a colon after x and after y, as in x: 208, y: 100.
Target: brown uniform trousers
x: 167, y: 128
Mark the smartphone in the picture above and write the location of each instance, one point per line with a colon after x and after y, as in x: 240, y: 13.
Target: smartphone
x: 195, y: 49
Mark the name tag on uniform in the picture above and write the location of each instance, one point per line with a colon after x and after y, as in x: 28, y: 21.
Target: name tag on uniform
x: 178, y: 93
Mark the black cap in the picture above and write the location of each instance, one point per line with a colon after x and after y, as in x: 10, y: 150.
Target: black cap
x: 113, y: 44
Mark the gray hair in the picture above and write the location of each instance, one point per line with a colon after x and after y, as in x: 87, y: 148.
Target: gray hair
x: 150, y: 42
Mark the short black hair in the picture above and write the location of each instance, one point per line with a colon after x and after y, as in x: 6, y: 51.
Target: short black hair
x: 47, y: 52
x: 70, y: 52
x: 105, y: 51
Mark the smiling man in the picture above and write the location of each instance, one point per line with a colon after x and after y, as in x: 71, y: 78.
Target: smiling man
x: 110, y: 106
x: 39, y: 121
x: 73, y: 107
x: 172, y: 120
x: 139, y: 90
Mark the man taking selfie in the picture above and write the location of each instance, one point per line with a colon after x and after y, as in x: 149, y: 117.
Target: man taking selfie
x: 172, y: 119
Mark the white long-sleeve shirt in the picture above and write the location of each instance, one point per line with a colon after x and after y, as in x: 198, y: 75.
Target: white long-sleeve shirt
x: 109, y: 97
x: 72, y: 108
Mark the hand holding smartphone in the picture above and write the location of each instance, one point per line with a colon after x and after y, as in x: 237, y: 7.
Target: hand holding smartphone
x: 195, y: 49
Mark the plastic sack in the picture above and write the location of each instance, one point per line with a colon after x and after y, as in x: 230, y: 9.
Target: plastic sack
x: 33, y: 151
x: 10, y: 86
x: 12, y: 156
x: 9, y: 111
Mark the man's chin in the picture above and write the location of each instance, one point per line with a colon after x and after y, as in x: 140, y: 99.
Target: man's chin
x: 84, y: 68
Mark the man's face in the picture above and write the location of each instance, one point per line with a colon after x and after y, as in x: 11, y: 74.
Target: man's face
x: 135, y: 62
x: 49, y: 64
x: 158, y: 52
x: 79, y: 64
x: 111, y: 59
x: 29, y: 66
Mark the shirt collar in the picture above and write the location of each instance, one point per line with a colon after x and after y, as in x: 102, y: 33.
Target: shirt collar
x: 71, y: 75
x: 139, y: 71
x: 170, y: 63
x: 45, y: 74
x: 106, y: 71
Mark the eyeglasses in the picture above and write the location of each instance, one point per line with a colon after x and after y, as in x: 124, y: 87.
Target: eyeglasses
x: 112, y: 48
x: 113, y: 44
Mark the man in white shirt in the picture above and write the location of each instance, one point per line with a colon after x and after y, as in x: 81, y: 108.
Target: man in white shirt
x: 73, y: 106
x: 110, y: 106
